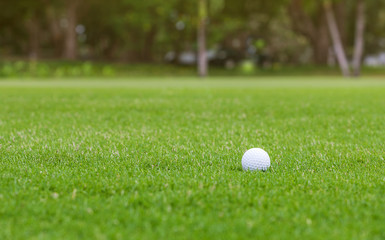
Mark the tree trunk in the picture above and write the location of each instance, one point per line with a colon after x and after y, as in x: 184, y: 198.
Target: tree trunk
x: 70, y: 44
x: 202, y: 57
x: 341, y: 15
x: 336, y: 38
x: 359, y: 38
x: 33, y: 28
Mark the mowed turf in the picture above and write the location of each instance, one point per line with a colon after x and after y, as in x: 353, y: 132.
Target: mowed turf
x: 162, y: 159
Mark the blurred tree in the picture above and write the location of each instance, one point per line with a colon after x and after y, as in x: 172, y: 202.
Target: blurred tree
x: 146, y: 19
x: 144, y: 31
x: 24, y: 15
x: 180, y: 28
x: 308, y: 19
x: 359, y: 37
x: 32, y: 25
x: 53, y: 12
x: 71, y: 21
x: 202, y: 21
x: 359, y: 19
x: 204, y: 7
x: 106, y: 28
x: 375, y: 19
x: 336, y: 38
x: 317, y: 20
x: 128, y: 29
x: 234, y: 26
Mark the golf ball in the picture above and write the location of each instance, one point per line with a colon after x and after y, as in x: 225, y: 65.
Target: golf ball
x: 255, y: 159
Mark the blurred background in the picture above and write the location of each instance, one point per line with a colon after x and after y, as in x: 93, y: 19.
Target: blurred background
x: 81, y: 38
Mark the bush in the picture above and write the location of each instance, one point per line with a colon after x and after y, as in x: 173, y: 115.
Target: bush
x: 15, y: 69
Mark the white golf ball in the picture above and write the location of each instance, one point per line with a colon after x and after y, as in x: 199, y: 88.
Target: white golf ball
x: 255, y: 159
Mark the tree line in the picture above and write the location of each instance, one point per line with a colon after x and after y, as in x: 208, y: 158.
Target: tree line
x: 287, y: 31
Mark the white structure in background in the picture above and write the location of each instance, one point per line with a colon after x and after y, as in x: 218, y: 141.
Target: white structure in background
x: 375, y: 60
x: 189, y: 57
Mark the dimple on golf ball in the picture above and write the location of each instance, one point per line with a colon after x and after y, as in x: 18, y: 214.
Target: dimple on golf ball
x: 255, y: 159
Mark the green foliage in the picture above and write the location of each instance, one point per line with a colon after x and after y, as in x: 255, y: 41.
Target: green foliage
x: 144, y: 31
x: 216, y: 6
x: 248, y: 67
x: 21, y: 69
x: 147, y: 159
x: 89, y: 70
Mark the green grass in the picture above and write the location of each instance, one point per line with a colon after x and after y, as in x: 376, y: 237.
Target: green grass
x: 150, y: 159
